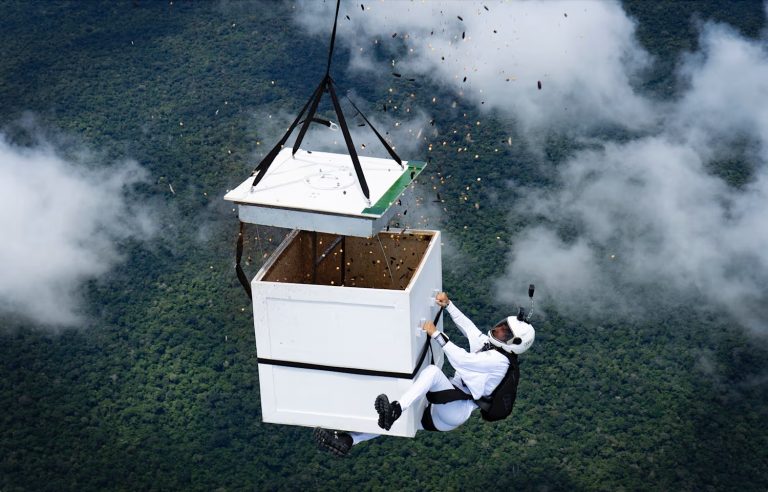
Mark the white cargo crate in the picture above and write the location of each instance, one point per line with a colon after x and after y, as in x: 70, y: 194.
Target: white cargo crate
x: 338, y: 321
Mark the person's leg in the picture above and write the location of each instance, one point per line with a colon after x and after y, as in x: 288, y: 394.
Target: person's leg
x: 448, y: 416
x: 338, y: 443
x: 430, y: 379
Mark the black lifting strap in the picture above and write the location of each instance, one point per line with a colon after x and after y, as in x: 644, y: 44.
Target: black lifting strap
x: 390, y: 150
x: 310, y: 116
x: 238, y: 257
x: 310, y: 108
x: 348, y: 140
x: 263, y: 166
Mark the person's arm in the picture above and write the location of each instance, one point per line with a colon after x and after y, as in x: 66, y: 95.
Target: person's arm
x: 462, y: 360
x: 459, y: 358
x: 476, y: 338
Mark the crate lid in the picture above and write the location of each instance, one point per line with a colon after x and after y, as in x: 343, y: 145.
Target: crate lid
x: 318, y: 191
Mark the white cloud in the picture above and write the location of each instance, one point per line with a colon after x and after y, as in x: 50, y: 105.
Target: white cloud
x: 650, y: 209
x: 625, y: 216
x: 60, y: 223
x: 727, y: 80
x: 585, y: 60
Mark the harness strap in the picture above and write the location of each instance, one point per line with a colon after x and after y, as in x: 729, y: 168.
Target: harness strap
x: 447, y: 396
x: 456, y: 394
x: 426, y: 419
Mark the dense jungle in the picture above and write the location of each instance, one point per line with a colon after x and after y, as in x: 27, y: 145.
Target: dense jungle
x: 157, y: 387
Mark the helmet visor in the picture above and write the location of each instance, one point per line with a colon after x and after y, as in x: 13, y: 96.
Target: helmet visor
x: 503, y: 333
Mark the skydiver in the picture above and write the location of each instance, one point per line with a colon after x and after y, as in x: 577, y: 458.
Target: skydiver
x: 478, y: 372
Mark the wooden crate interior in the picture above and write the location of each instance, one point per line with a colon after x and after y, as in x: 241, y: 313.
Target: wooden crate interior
x: 385, y: 261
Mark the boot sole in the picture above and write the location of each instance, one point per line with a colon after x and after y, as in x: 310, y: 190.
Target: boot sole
x: 326, y: 442
x: 384, y: 410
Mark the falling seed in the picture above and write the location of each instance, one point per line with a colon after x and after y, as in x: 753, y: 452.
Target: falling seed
x: 486, y: 8
x: 385, y: 107
x: 362, y: 7
x: 465, y: 79
x: 348, y: 18
x: 460, y: 18
x: 396, y: 74
x: 495, y: 31
x: 566, y: 15
x: 463, y: 34
x: 395, y: 34
x: 539, y: 84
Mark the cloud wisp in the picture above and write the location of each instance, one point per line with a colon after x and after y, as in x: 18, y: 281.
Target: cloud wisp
x: 583, y: 54
x: 61, y: 221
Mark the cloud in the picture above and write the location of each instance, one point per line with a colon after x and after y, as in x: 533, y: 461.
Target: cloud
x: 725, y: 81
x: 656, y: 211
x: 584, y: 54
x: 61, y: 222
x: 675, y: 209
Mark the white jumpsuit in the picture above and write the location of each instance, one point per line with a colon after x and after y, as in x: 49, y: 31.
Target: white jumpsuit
x: 477, y: 372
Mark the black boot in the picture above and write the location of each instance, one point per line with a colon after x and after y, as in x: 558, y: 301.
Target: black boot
x: 388, y: 412
x: 335, y: 442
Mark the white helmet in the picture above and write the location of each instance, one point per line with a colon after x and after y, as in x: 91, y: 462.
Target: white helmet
x: 519, y: 338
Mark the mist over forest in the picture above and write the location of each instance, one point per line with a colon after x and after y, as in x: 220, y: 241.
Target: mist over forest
x: 615, y: 154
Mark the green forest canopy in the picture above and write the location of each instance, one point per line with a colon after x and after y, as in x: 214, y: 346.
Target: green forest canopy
x: 160, y: 389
